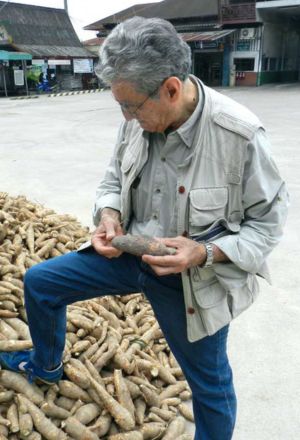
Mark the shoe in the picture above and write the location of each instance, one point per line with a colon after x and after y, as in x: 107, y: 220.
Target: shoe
x: 20, y: 362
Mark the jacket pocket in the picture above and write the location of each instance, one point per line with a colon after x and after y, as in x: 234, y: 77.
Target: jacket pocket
x: 241, y: 287
x: 207, y: 205
x: 211, y: 304
x: 208, y: 293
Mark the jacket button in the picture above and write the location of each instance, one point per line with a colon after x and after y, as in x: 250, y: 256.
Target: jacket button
x: 181, y: 189
x: 185, y: 234
x: 191, y: 310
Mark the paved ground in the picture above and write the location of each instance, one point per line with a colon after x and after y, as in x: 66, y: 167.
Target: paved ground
x: 55, y: 150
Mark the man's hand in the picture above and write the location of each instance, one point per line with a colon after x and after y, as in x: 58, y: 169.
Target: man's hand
x: 189, y: 253
x: 108, y: 228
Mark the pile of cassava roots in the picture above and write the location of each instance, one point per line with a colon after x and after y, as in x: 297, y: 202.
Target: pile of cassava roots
x: 121, y: 382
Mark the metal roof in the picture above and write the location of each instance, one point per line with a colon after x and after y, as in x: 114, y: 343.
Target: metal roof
x: 167, y: 9
x: 54, y: 51
x: 41, y: 31
x: 205, y: 36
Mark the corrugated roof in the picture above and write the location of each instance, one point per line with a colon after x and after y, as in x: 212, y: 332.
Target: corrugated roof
x: 54, y: 51
x: 205, y: 36
x: 36, y: 27
x: 120, y: 16
x: 167, y: 9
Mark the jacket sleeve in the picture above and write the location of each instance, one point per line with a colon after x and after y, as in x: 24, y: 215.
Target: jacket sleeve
x: 265, y: 202
x: 108, y: 193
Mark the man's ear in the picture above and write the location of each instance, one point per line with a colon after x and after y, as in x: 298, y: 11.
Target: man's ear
x: 173, y: 87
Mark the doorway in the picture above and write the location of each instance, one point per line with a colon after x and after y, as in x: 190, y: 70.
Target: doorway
x: 208, y: 66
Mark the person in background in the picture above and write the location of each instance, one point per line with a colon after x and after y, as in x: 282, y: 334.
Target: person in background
x: 192, y: 168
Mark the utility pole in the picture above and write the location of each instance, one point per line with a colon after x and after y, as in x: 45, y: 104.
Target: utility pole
x: 66, y: 6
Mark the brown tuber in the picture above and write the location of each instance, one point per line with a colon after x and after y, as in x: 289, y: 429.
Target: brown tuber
x: 140, y: 245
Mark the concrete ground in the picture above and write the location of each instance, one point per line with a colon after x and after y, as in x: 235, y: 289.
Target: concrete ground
x: 55, y: 151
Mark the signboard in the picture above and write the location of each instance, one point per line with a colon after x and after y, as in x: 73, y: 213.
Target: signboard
x: 243, y: 45
x: 59, y: 62
x: 19, y: 77
x: 205, y: 44
x: 83, y: 65
x: 38, y: 62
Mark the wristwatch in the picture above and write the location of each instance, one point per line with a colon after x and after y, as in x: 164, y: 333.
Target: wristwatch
x: 209, y: 255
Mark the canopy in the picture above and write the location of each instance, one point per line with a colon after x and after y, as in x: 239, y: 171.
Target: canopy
x: 205, y: 36
x: 14, y: 56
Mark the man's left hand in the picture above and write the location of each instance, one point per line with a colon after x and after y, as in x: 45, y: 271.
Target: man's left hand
x: 189, y: 253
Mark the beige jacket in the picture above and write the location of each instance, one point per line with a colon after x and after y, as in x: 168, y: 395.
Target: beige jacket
x: 229, y: 179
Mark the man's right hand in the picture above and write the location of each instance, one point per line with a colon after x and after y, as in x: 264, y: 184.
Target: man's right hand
x: 109, y: 227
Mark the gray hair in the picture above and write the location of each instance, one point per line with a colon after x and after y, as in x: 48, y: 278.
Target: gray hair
x: 144, y: 52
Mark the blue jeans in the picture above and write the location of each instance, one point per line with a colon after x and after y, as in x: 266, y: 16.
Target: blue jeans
x: 77, y: 276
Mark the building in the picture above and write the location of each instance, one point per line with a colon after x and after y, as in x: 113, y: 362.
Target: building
x: 233, y: 42
x: 280, y: 48
x: 93, y: 45
x: 50, y: 44
x: 266, y: 47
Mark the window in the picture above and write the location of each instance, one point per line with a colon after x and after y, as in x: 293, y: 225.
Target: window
x: 273, y: 64
x: 269, y: 64
x: 244, y: 64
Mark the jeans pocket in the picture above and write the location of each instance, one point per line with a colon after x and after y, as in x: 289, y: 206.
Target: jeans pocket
x: 85, y: 246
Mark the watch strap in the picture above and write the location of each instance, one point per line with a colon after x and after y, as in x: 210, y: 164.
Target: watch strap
x: 209, y: 255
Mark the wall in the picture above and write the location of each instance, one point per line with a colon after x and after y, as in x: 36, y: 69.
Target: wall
x: 280, y: 54
x: 250, y: 79
x: 251, y: 50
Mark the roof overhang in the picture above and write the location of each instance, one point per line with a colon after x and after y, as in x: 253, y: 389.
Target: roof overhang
x: 205, y: 36
x: 54, y: 51
x: 14, y: 56
x: 277, y: 4
x: 279, y: 11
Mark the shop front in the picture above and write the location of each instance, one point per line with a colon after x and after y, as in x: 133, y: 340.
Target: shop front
x: 210, y: 56
x: 13, y: 72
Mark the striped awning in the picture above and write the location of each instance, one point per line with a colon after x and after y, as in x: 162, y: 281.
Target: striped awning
x: 205, y: 36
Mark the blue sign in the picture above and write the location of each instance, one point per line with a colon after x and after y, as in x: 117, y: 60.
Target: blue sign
x: 243, y: 45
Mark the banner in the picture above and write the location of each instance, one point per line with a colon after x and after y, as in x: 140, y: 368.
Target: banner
x: 19, y: 77
x: 83, y: 65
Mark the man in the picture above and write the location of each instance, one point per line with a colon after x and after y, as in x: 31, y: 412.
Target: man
x: 192, y: 168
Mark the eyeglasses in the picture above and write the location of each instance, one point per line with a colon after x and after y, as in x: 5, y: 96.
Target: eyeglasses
x: 127, y: 107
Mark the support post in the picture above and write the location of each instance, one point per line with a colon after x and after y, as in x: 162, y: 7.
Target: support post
x: 4, y: 79
x: 66, y: 6
x: 24, y: 65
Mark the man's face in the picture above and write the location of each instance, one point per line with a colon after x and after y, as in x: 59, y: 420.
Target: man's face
x: 152, y: 111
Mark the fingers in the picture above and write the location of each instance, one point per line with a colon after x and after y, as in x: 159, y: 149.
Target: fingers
x: 106, y: 250
x: 174, y: 241
x: 102, y: 244
x: 160, y: 271
x: 188, y: 254
x: 110, y: 252
x: 166, y: 265
x: 110, y: 231
x: 159, y: 261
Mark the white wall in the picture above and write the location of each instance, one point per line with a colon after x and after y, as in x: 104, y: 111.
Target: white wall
x: 245, y: 54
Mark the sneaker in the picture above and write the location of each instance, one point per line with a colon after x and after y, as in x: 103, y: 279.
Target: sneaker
x: 20, y: 362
